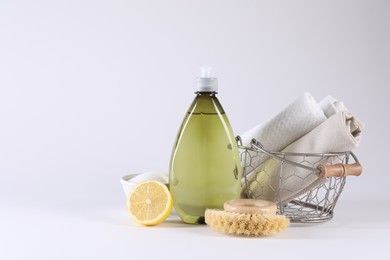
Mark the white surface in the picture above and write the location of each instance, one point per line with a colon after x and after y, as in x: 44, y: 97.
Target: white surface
x: 105, y: 232
x: 94, y: 90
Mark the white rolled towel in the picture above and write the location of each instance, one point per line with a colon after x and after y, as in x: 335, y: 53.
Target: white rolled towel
x: 296, y: 120
x: 341, y: 132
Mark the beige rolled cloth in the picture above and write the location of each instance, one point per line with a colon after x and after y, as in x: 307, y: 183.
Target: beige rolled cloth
x: 340, y: 132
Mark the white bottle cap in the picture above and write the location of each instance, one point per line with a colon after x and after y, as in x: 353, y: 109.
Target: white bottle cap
x: 206, y: 83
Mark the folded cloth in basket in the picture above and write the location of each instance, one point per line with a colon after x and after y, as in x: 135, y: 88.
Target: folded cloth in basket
x: 341, y: 132
x: 296, y: 120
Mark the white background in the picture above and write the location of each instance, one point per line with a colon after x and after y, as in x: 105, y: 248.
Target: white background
x: 93, y: 90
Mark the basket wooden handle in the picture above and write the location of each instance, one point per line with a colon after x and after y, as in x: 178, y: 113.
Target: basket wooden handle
x: 340, y: 170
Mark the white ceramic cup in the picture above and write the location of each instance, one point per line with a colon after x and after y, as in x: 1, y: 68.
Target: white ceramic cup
x: 128, y: 185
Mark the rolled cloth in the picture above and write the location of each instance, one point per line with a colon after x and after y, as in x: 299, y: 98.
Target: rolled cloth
x: 296, y: 120
x: 341, y: 132
x: 330, y: 106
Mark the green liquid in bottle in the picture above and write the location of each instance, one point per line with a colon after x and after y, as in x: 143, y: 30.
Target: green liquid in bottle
x: 205, y: 169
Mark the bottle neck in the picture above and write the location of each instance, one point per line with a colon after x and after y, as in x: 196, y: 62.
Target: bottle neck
x: 203, y: 93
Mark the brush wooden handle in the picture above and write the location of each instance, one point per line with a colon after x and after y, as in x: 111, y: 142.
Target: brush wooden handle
x: 340, y: 170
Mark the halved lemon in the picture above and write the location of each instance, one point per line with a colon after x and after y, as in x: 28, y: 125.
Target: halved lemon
x: 149, y: 203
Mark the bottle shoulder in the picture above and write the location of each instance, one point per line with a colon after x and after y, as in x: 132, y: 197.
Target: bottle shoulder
x: 206, y: 104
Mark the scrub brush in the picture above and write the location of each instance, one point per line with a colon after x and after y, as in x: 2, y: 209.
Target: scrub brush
x: 247, y: 217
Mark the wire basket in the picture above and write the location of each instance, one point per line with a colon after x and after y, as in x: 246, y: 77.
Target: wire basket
x: 305, y: 186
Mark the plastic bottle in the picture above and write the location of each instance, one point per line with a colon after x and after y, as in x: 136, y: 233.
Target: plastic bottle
x: 205, y: 166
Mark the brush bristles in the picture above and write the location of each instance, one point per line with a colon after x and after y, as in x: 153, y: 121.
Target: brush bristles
x: 245, y: 224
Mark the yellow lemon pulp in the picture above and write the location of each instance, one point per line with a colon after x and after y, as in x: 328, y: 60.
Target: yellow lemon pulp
x: 149, y: 203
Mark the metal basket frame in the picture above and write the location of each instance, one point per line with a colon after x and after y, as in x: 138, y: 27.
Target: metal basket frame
x: 315, y: 205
